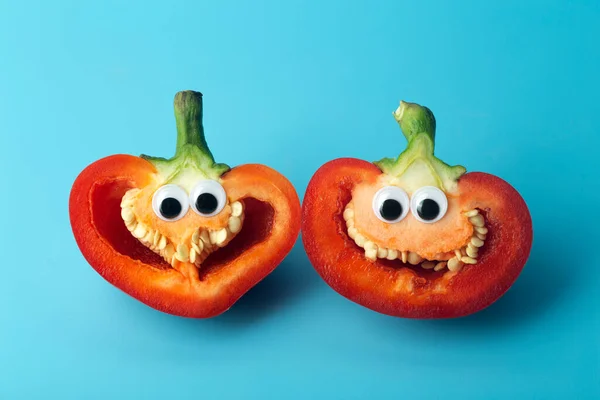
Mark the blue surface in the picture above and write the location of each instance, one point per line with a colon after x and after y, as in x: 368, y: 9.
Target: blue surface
x: 514, y: 86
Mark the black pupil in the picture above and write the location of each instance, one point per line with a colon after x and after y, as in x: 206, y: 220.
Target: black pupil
x: 391, y: 209
x: 428, y: 209
x: 170, y: 208
x: 206, y: 203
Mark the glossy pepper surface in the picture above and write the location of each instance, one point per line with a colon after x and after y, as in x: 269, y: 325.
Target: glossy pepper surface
x: 412, y: 236
x: 185, y: 235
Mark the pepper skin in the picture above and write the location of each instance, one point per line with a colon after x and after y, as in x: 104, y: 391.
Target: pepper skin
x: 181, y: 278
x: 359, y: 253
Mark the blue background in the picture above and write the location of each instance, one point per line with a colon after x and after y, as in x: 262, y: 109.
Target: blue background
x: 514, y: 86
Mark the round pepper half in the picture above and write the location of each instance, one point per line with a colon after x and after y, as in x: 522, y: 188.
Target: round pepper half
x: 414, y: 237
x: 186, y: 236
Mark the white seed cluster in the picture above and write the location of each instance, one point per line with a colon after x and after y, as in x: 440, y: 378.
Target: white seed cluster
x: 466, y: 255
x: 203, y: 241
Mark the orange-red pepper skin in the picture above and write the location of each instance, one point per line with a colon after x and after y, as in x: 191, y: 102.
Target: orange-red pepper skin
x: 374, y: 284
x: 271, y: 226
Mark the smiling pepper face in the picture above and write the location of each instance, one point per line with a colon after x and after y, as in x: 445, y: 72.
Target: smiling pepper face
x: 185, y: 235
x: 422, y: 228
x: 183, y: 223
x: 412, y: 236
x: 185, y: 213
x: 412, y: 211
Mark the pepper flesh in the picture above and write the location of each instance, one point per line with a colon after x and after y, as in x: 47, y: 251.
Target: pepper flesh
x: 397, y: 288
x: 272, y: 223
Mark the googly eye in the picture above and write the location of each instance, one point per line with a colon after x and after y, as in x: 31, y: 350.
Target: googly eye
x: 170, y: 202
x: 208, y: 198
x: 429, y: 204
x: 391, y: 204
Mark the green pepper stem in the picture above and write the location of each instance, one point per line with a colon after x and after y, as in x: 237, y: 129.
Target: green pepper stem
x: 415, y: 120
x: 192, y: 152
x: 418, y: 126
x: 188, y: 117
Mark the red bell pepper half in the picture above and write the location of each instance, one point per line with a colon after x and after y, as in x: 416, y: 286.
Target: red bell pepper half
x: 186, y: 236
x: 412, y: 236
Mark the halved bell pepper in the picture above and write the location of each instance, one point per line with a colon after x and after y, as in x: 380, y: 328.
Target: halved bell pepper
x: 412, y: 236
x: 185, y: 235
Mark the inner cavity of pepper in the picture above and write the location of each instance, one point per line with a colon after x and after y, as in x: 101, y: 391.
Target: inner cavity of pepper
x: 452, y: 260
x: 193, y: 249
